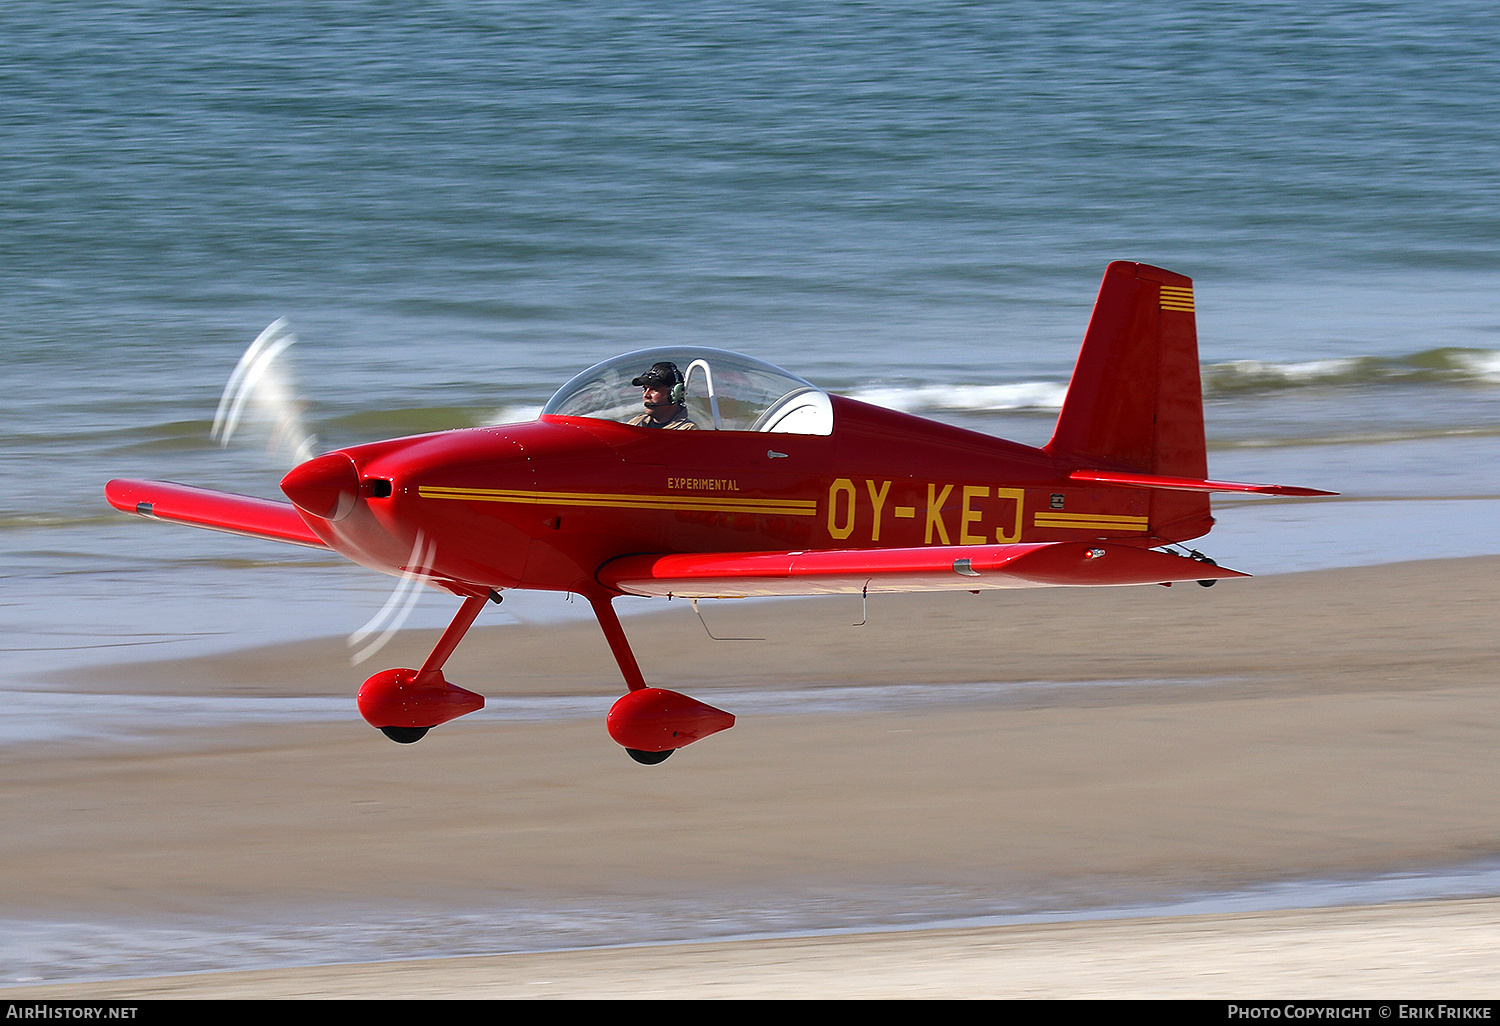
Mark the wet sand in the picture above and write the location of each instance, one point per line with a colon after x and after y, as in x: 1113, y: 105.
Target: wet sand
x: 1421, y: 951
x: 1333, y: 725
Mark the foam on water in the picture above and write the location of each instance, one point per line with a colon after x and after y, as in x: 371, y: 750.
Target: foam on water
x: 46, y: 716
x: 37, y: 950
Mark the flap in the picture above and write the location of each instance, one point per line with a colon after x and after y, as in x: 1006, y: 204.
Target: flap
x: 930, y: 568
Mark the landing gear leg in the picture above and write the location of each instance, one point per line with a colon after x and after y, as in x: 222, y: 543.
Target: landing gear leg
x: 651, y: 723
x: 609, y: 622
x: 405, y: 704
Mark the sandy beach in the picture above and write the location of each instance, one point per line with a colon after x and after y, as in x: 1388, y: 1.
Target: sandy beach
x: 1337, y: 725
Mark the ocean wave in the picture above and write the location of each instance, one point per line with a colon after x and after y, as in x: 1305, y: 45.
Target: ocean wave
x: 48, y: 520
x: 1443, y: 366
x: 521, y: 414
x: 1236, y: 378
x: 1022, y: 395
x: 1436, y: 368
x: 1357, y: 437
x: 395, y: 422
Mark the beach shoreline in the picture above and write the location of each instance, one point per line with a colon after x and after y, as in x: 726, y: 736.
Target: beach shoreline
x: 1338, y: 724
x: 1419, y: 951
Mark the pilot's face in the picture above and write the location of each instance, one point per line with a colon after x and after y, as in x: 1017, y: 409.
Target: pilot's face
x: 654, y: 396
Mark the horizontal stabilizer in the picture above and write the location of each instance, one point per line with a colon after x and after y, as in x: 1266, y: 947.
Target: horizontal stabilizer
x: 217, y: 511
x: 1188, y: 484
x: 930, y: 568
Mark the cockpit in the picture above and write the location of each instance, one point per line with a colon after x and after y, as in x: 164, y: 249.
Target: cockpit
x: 722, y: 391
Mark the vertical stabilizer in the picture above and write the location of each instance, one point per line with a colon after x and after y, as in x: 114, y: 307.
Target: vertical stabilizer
x: 1136, y: 398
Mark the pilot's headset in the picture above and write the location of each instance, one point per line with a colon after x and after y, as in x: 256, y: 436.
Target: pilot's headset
x: 661, y: 374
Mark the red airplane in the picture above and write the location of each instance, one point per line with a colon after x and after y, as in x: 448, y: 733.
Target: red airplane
x: 740, y: 479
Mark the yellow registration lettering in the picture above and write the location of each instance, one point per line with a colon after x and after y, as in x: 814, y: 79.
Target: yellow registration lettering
x: 1014, y: 535
x: 935, y: 514
x: 970, y: 515
x: 842, y: 486
x: 877, y: 499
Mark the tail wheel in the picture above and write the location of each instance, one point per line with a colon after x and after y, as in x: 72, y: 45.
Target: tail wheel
x: 649, y: 758
x: 405, y: 735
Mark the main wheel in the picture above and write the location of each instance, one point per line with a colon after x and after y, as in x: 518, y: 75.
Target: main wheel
x: 405, y: 735
x: 648, y: 758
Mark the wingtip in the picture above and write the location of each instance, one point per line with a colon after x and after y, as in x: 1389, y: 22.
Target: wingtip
x: 119, y: 494
x: 1294, y: 490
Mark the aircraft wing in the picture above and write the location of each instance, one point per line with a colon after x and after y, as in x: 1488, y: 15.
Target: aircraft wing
x: 929, y: 568
x: 218, y: 511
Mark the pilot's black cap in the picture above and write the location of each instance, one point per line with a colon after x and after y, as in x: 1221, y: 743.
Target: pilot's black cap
x: 661, y: 375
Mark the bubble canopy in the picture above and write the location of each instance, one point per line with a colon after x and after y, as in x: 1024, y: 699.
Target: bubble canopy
x: 723, y: 391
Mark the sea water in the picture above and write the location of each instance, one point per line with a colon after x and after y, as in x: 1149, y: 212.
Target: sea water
x: 459, y: 205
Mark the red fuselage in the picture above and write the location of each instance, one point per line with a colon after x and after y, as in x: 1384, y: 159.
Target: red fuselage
x: 544, y: 505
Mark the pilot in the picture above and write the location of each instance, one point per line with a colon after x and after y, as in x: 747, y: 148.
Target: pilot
x: 662, y: 390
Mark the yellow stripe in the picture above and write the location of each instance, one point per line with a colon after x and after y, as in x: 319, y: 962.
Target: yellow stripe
x: 612, y: 498
x: 607, y: 500
x: 1174, y: 297
x: 1057, y: 515
x: 1091, y: 521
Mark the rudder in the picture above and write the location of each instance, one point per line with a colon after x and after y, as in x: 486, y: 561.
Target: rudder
x: 1135, y: 401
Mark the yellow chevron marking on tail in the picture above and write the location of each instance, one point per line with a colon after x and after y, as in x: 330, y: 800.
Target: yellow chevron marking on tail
x: 1175, y: 297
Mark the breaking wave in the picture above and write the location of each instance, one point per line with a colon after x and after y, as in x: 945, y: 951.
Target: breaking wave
x: 1435, y: 367
x: 1440, y: 368
x: 1432, y: 366
x: 1025, y: 395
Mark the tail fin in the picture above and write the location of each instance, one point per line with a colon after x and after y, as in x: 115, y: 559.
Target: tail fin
x: 1136, y: 399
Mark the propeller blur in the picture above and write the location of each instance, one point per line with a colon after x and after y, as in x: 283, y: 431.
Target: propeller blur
x: 262, y: 385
